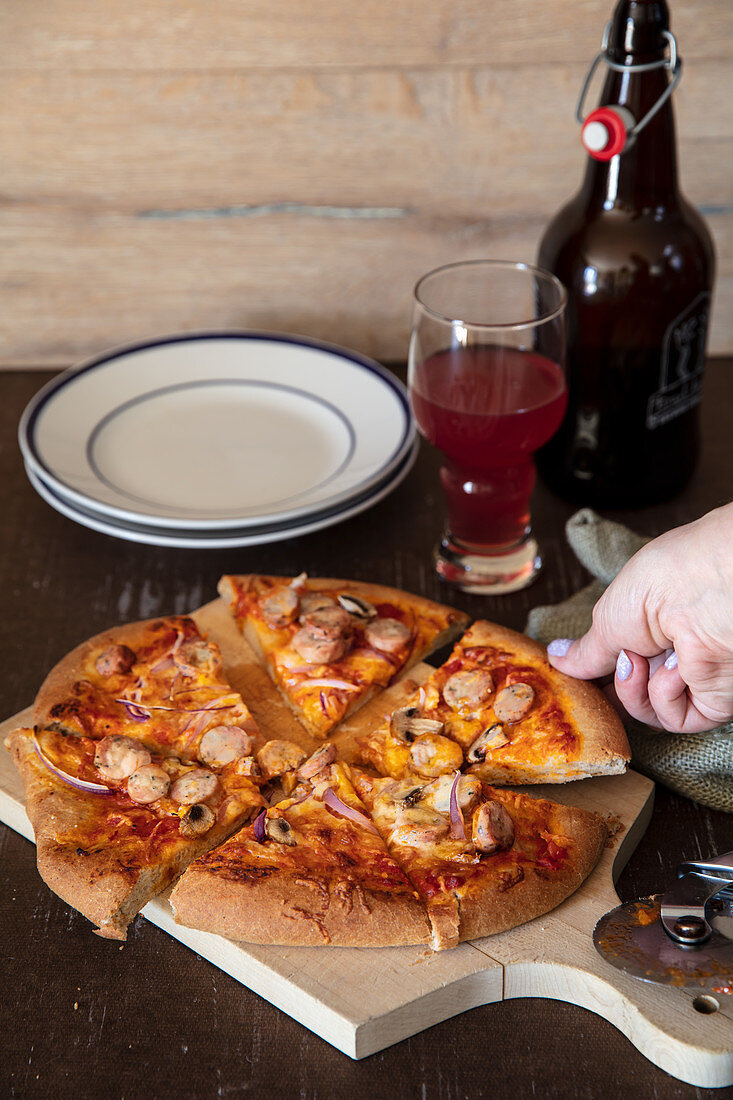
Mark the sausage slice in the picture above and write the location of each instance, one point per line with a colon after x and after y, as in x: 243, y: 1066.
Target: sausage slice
x: 148, y: 784
x: 194, y: 786
x: 117, y: 757
x: 493, y: 828
x: 512, y: 703
x: 223, y: 744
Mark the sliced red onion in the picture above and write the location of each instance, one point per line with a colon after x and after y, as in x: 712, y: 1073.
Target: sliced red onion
x: 337, y: 685
x: 141, y: 711
x: 196, y: 726
x: 322, y: 701
x: 370, y: 651
x: 259, y: 826
x: 457, y: 828
x: 168, y: 659
x: 72, y: 780
x: 334, y: 803
x: 299, y: 670
x: 421, y: 698
x: 136, y: 711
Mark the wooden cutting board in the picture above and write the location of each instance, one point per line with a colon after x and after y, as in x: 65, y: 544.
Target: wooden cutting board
x: 412, y: 988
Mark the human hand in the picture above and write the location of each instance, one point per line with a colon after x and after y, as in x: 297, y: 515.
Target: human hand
x: 665, y: 627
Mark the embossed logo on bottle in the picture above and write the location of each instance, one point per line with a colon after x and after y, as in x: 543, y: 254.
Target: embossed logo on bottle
x: 681, y: 364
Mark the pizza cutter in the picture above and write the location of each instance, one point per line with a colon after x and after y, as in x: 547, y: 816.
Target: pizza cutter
x: 683, y: 937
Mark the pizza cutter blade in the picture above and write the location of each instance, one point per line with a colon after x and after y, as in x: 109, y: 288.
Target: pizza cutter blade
x: 683, y: 937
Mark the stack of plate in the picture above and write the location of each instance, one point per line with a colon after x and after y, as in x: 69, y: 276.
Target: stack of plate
x: 218, y: 440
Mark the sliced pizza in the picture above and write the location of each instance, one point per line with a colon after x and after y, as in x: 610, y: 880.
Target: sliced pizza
x: 158, y: 682
x: 311, y: 870
x: 498, y: 709
x: 115, y: 823
x: 330, y: 645
x: 482, y: 859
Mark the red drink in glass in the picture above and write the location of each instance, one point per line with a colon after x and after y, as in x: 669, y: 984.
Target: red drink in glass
x: 488, y: 408
x: 487, y: 385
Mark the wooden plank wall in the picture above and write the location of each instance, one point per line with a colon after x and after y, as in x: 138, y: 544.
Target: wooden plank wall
x: 297, y: 164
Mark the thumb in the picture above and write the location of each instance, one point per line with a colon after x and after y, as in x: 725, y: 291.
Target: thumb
x: 587, y: 658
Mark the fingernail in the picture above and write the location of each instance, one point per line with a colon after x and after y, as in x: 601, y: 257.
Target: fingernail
x: 560, y: 646
x: 671, y: 661
x: 624, y: 667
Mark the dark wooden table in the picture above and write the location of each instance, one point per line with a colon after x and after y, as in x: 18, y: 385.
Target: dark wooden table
x: 85, y: 1017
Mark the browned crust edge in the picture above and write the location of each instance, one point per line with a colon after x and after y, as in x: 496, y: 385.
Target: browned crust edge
x: 498, y: 908
x: 309, y: 912
x: 97, y: 883
x: 605, y: 748
x: 455, y: 622
x: 62, y: 677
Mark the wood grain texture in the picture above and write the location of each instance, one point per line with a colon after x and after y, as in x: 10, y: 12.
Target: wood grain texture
x: 175, y: 167
x: 113, y: 34
x: 414, y: 988
x: 199, y: 1032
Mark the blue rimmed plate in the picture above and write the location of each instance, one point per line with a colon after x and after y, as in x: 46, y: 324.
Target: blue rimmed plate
x: 218, y: 431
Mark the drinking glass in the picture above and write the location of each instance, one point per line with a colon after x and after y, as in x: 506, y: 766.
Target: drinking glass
x: 487, y: 388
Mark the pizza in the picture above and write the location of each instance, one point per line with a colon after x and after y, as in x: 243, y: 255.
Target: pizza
x: 440, y: 862
x: 142, y: 758
x: 498, y: 710
x: 145, y: 766
x: 331, y: 645
x: 311, y: 870
x: 482, y: 859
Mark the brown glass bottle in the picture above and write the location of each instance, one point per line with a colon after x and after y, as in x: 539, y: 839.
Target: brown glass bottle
x: 638, y: 264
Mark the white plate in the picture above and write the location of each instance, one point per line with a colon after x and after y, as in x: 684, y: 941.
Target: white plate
x: 214, y: 432
x: 220, y: 540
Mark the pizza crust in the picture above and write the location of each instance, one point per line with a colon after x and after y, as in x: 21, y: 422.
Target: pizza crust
x: 111, y: 885
x: 297, y: 910
x: 604, y: 748
x: 502, y: 905
x: 58, y: 687
x: 450, y: 621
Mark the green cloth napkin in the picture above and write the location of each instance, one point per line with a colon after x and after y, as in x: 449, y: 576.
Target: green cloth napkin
x: 698, y: 765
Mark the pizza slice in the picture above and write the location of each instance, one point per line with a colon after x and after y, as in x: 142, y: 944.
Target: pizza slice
x: 499, y: 709
x: 330, y: 645
x: 115, y: 823
x: 159, y: 682
x: 311, y: 870
x: 482, y: 859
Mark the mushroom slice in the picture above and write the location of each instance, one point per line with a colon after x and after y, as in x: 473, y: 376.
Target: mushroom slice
x: 407, y: 723
x: 196, y: 821
x: 493, y: 828
x: 513, y: 702
x: 319, y: 760
x: 358, y: 607
x: 278, y: 829
x: 432, y: 755
x: 411, y: 797
x: 492, y: 738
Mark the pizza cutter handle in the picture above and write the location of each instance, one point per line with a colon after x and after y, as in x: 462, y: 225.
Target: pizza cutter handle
x: 720, y: 867
x: 683, y: 906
